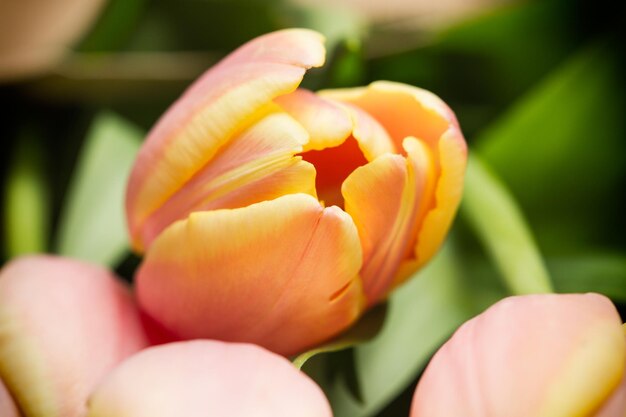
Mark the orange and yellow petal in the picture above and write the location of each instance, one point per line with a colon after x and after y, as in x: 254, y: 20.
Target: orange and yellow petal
x: 409, y: 112
x: 256, y: 165
x: 209, y: 276
x: 327, y: 123
x: 208, y: 378
x: 223, y: 101
x: 384, y: 198
x: 438, y: 211
x: 538, y: 355
x: 63, y: 325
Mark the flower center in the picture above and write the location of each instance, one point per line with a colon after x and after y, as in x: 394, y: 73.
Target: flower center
x: 333, y: 166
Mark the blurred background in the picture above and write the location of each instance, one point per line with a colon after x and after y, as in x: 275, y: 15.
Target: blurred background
x: 538, y: 88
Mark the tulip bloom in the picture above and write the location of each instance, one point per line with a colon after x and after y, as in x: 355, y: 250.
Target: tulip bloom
x: 207, y: 378
x: 537, y: 355
x: 63, y: 325
x: 276, y: 216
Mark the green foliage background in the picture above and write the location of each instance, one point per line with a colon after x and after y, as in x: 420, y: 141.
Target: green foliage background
x: 538, y: 88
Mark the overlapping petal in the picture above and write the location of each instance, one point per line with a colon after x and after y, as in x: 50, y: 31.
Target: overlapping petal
x: 538, y: 355
x: 256, y: 165
x: 63, y: 325
x: 225, y: 100
x: 421, y: 124
x: 388, y: 159
x: 281, y: 273
x: 208, y: 378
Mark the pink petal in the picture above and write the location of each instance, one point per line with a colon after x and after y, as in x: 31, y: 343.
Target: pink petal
x: 537, y: 355
x: 207, y: 378
x: 63, y: 325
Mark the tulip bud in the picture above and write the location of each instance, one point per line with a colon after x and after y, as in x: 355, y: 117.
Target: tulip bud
x: 207, y: 378
x: 275, y: 215
x: 63, y: 325
x: 536, y: 355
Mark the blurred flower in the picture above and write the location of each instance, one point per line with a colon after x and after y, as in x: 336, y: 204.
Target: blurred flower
x: 537, y: 355
x: 207, y: 378
x: 224, y: 197
x: 34, y: 35
x: 63, y: 325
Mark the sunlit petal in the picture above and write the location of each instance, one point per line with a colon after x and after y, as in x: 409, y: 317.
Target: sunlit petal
x: 256, y: 165
x: 409, y: 112
x: 209, y: 276
x: 224, y: 100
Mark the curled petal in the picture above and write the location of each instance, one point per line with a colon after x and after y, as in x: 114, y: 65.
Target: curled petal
x: 537, y: 355
x: 301, y: 292
x: 7, y: 405
x: 383, y: 197
x: 63, y: 325
x: 410, y: 112
x: 327, y: 124
x: 256, y: 165
x: 226, y: 99
x: 207, y: 378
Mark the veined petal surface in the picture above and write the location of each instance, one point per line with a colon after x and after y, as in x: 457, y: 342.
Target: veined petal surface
x: 210, y: 276
x: 208, y: 378
x: 225, y: 100
x: 537, y: 355
x: 63, y: 325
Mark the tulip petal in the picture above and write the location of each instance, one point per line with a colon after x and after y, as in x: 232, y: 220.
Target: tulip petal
x: 226, y: 99
x: 210, y: 277
x: 256, y: 165
x: 384, y: 199
x: 538, y: 355
x: 342, y: 138
x: 616, y: 405
x: 208, y: 378
x: 328, y: 124
x: 7, y: 405
x: 63, y: 325
x: 407, y: 111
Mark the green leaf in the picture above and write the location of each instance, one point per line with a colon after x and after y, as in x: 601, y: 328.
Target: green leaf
x: 560, y: 150
x: 366, y: 328
x: 422, y: 314
x: 93, y: 225
x: 499, y: 224
x: 601, y: 273
x: 27, y: 211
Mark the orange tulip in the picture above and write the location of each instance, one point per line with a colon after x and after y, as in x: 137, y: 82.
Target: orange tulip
x: 276, y: 216
x: 537, y: 355
x: 207, y: 378
x: 63, y: 325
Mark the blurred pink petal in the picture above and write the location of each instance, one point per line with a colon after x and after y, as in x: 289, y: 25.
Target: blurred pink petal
x: 536, y: 355
x: 207, y: 378
x: 63, y: 325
